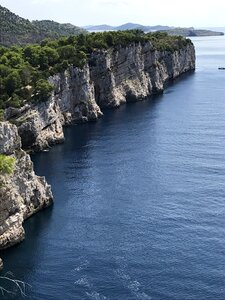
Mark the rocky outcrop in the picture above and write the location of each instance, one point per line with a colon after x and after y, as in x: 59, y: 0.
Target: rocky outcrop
x: 73, y: 100
x: 111, y: 77
x: 41, y: 125
x: 22, y: 193
x: 136, y: 72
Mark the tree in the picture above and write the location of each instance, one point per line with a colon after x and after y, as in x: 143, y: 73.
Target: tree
x: 42, y: 90
x: 51, y: 55
x: 31, y: 54
x: 14, y: 101
x: 14, y: 59
x: 66, y: 52
x: 4, y: 71
x: 12, y: 82
x: 25, y: 74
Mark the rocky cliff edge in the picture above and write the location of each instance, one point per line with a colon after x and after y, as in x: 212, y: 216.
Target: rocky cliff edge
x: 110, y: 78
x: 22, y: 193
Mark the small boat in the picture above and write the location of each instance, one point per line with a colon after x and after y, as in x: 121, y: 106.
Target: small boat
x: 221, y: 68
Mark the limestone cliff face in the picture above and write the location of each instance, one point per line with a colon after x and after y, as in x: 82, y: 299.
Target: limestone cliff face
x: 75, y: 96
x: 21, y: 194
x: 136, y: 72
x: 111, y: 78
x: 72, y: 101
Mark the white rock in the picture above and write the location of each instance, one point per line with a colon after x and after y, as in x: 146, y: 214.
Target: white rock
x: 21, y: 194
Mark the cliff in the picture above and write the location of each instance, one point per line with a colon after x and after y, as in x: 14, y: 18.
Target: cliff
x: 110, y: 78
x: 22, y: 193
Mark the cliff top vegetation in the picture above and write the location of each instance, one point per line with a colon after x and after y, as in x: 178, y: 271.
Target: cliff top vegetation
x: 24, y: 70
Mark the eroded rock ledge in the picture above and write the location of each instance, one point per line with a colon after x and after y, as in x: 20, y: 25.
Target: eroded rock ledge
x: 22, y: 193
x: 110, y: 78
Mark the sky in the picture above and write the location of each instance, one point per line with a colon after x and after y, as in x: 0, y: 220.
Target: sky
x: 116, y: 12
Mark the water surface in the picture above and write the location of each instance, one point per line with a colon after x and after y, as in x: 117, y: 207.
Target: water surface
x: 139, y: 207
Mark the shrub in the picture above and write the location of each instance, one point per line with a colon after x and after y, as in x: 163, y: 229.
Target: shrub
x: 7, y: 164
x: 14, y: 101
x: 1, y: 115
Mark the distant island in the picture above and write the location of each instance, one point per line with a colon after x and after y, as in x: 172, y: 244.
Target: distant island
x: 188, y: 32
x: 127, y: 26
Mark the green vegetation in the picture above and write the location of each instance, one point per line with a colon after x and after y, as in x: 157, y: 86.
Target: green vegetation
x: 17, y: 30
x: 24, y: 70
x: 7, y: 164
x: 1, y: 115
x: 54, y: 30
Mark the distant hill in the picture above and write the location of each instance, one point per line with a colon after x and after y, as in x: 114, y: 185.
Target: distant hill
x: 102, y: 27
x: 127, y: 26
x: 170, y: 30
x: 17, y: 30
x: 54, y: 29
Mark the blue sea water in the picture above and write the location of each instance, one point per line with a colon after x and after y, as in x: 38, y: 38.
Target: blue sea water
x: 139, y: 207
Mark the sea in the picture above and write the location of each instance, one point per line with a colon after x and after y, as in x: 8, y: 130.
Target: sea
x: 139, y: 208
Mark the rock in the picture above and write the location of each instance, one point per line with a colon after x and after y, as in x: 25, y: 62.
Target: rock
x: 135, y: 72
x: 75, y: 95
x: 1, y: 264
x: 11, y: 112
x: 9, y: 138
x: 112, y: 77
x: 41, y: 126
x: 21, y: 194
